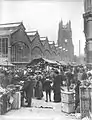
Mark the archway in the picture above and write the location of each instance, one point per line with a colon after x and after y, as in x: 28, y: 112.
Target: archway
x: 53, y: 55
x: 47, y: 54
x: 20, y: 52
x: 36, y: 52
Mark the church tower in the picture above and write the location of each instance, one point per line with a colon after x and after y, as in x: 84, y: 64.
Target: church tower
x: 60, y: 34
x: 65, y: 40
x: 88, y: 29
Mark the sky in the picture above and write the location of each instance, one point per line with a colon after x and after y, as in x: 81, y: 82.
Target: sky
x: 45, y: 15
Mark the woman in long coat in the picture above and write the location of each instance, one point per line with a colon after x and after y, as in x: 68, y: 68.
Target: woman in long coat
x: 39, y: 89
x: 57, y: 87
x: 28, y: 88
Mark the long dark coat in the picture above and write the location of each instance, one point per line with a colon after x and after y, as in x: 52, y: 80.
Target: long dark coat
x: 77, y: 99
x: 38, y: 90
x: 47, y: 85
x: 28, y: 88
x: 57, y: 88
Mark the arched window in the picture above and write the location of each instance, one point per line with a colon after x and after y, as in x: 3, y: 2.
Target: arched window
x: 20, y: 52
x: 4, y: 47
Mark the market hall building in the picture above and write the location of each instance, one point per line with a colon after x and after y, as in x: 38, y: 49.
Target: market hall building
x: 14, y: 44
x: 37, y: 47
x: 19, y: 47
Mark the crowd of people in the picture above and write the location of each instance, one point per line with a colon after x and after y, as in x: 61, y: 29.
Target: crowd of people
x: 35, y: 82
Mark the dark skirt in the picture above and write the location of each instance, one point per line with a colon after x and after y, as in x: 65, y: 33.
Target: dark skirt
x: 57, y: 96
x: 38, y: 93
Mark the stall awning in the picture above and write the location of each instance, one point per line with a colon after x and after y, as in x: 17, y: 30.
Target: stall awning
x: 43, y: 60
x: 6, y: 64
x: 50, y: 61
x: 62, y: 62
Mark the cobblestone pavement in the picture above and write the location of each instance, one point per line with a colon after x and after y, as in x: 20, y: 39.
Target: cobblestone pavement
x: 40, y: 110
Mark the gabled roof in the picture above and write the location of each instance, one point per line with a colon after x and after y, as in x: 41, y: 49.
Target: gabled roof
x: 9, y: 28
x: 11, y: 25
x: 43, y: 40
x: 56, y: 45
x: 32, y: 34
x: 6, y: 32
x: 50, y: 42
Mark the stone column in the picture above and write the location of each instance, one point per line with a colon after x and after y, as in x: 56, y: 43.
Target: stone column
x: 88, y: 35
x: 90, y: 97
x: 84, y: 101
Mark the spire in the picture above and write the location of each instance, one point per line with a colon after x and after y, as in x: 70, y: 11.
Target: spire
x: 69, y: 24
x: 61, y: 24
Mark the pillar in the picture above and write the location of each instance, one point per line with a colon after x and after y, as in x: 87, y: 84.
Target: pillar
x: 90, y: 98
x: 84, y: 101
x: 88, y: 35
x: 88, y: 29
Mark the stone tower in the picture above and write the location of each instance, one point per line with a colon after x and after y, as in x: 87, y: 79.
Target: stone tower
x: 88, y: 29
x: 65, y: 40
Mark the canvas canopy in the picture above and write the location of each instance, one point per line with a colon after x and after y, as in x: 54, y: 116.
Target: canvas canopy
x: 41, y: 60
x: 62, y: 62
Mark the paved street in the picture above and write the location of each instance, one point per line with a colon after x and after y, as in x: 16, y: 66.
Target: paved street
x: 40, y: 110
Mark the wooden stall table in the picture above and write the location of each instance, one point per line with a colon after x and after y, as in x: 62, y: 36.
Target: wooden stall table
x: 67, y: 101
x: 17, y: 100
x: 3, y: 104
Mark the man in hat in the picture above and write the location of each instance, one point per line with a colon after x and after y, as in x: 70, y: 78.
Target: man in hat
x: 47, y: 88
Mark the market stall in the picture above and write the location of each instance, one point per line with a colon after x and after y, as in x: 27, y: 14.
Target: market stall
x: 62, y: 63
x: 10, y: 96
x: 42, y: 63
